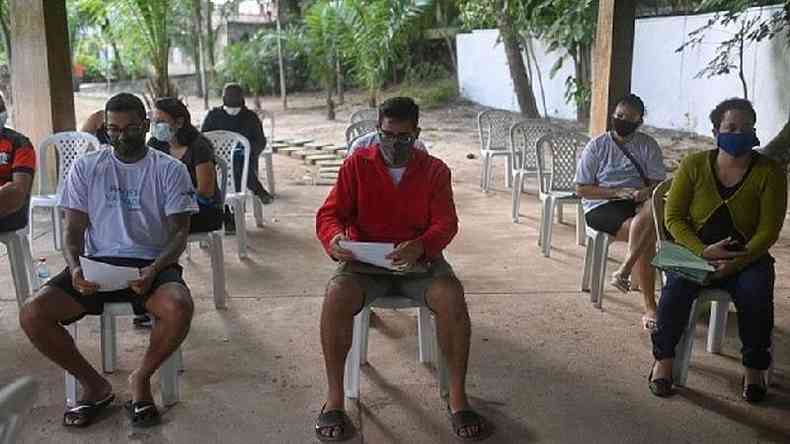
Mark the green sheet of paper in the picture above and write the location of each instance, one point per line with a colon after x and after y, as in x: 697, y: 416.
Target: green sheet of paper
x: 677, y: 259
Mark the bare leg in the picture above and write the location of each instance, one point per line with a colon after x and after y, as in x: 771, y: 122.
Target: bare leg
x: 40, y: 318
x: 171, y: 305
x: 641, y: 236
x: 445, y: 297
x: 344, y: 298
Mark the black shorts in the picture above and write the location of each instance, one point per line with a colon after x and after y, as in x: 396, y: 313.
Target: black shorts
x: 610, y: 216
x: 94, y: 304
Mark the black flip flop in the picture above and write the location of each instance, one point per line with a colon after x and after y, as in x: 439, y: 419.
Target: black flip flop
x: 463, y: 419
x: 83, y: 414
x: 661, y: 387
x: 331, y: 420
x: 142, y: 413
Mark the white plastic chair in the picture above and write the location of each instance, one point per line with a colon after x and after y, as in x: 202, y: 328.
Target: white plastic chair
x: 69, y: 146
x: 214, y: 241
x: 524, y: 136
x: 359, y: 129
x: 168, y: 372
x: 225, y: 143
x: 268, y: 152
x: 364, y: 114
x: 556, y: 183
x: 428, y: 353
x: 493, y: 126
x: 24, y: 276
x: 719, y: 305
x: 15, y: 399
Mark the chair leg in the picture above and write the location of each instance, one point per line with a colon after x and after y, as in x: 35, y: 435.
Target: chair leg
x: 268, y: 161
x: 601, y: 253
x: 19, y: 272
x: 30, y: 268
x: 484, y: 173
x: 509, y: 172
x: 560, y: 213
x: 241, y: 227
x: 516, y: 198
x: 426, y: 334
x: 71, y: 381
x: 717, y: 326
x: 218, y: 270
x: 57, y: 222
x: 108, y: 342
x: 683, y: 350
x: 547, y: 225
x: 351, y: 375
x: 588, y: 262
x: 581, y: 225
x: 257, y: 211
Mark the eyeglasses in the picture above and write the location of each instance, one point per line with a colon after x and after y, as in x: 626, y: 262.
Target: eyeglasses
x: 386, y: 136
x: 130, y: 130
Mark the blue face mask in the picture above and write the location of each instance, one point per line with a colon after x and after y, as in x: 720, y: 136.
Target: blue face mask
x: 737, y: 144
x: 162, y: 132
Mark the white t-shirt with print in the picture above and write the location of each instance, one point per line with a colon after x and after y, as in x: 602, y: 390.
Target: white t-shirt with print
x: 127, y: 204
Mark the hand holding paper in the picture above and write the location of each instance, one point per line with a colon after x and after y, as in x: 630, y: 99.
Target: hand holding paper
x: 374, y: 253
x: 108, y: 277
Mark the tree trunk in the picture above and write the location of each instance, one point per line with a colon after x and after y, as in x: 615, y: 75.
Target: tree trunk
x: 330, y: 104
x: 538, y: 74
x: 283, y: 92
x: 518, y: 73
x: 584, y: 80
x: 211, y: 36
x: 741, y: 39
x: 341, y: 90
x: 196, y: 45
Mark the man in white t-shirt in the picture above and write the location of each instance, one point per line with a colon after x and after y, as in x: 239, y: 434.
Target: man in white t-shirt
x: 127, y: 206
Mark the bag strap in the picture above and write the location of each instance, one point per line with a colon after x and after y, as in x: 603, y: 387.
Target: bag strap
x: 635, y: 163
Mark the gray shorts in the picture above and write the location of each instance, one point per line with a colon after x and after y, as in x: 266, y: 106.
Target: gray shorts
x: 382, y: 284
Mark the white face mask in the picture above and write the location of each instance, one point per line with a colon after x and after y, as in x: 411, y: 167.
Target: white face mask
x: 162, y: 132
x: 232, y: 110
x: 3, y: 118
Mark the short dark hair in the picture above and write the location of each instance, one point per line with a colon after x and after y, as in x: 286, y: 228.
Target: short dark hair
x: 126, y: 103
x: 176, y: 109
x: 735, y: 103
x: 400, y: 108
x: 634, y: 102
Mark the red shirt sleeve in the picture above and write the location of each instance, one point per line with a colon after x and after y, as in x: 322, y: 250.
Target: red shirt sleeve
x: 338, y: 209
x: 24, y: 159
x: 444, y: 220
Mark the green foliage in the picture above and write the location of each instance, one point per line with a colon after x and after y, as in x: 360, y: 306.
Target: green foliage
x: 253, y: 63
x: 325, y: 26
x: 426, y: 72
x: 431, y: 94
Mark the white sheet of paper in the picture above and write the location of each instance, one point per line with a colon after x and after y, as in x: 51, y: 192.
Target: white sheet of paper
x: 108, y: 277
x: 374, y: 253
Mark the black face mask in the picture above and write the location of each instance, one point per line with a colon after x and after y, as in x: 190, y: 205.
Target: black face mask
x: 128, y: 145
x: 624, y: 128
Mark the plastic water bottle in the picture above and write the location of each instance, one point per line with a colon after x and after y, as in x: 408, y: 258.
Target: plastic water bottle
x: 42, y: 270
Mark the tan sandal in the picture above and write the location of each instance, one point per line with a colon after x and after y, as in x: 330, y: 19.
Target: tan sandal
x: 620, y: 282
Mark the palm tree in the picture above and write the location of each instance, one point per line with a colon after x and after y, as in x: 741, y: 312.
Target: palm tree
x: 153, y: 19
x: 325, y: 29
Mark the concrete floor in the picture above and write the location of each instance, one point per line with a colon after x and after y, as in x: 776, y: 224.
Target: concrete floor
x: 545, y: 367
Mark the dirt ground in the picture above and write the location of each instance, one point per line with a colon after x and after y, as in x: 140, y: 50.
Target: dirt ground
x: 545, y: 366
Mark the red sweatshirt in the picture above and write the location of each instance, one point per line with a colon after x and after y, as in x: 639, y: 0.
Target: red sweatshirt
x: 366, y: 204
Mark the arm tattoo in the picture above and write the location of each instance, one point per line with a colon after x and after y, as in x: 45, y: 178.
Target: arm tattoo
x: 178, y: 231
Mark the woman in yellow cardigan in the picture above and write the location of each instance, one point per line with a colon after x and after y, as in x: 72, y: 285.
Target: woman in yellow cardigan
x: 726, y: 205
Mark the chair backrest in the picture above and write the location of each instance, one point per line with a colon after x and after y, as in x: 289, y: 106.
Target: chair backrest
x: 493, y: 126
x: 268, y: 115
x: 558, y: 154
x: 364, y: 114
x: 69, y: 146
x: 659, y: 200
x: 222, y: 177
x: 358, y: 129
x: 14, y: 401
x: 524, y: 136
x: 225, y: 143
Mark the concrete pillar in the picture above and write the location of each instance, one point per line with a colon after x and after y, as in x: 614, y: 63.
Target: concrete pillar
x: 612, y: 60
x: 41, y: 70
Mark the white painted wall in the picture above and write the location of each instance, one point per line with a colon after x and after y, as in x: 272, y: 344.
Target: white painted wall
x: 662, y: 77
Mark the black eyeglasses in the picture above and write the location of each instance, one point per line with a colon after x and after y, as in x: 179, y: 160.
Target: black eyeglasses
x: 130, y: 130
x: 386, y: 136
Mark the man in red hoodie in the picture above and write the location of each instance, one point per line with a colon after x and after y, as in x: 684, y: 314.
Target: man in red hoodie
x: 390, y: 191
